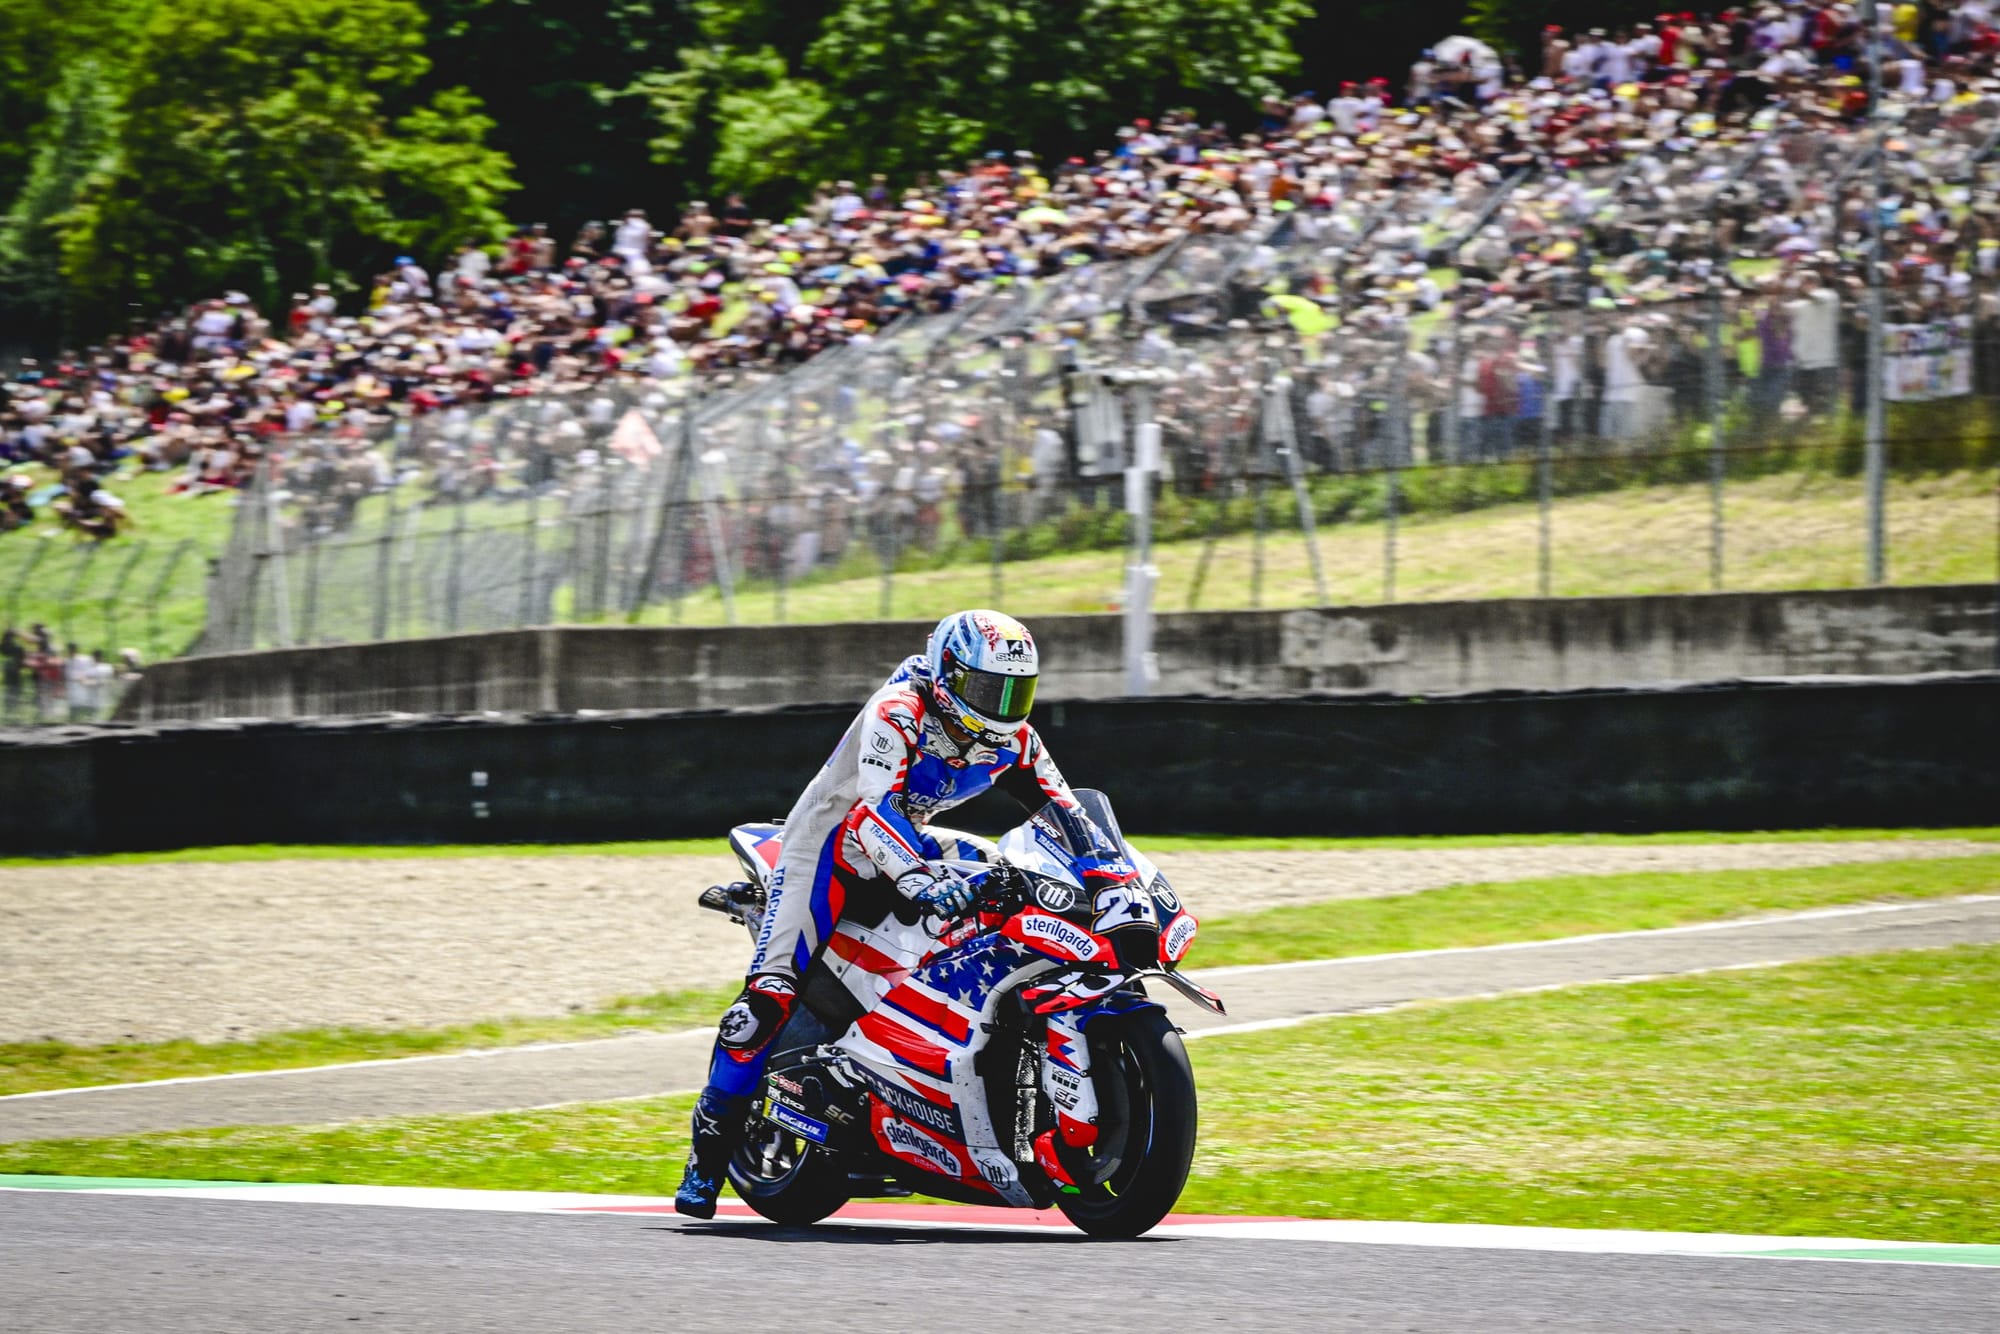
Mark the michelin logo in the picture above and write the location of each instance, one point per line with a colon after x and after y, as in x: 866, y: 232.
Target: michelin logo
x: 913, y: 1143
x: 797, y: 1124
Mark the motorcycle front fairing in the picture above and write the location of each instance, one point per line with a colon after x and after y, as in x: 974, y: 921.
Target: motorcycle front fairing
x: 1047, y: 968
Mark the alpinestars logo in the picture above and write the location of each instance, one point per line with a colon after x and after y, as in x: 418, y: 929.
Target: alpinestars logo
x: 910, y: 1142
x: 737, y: 1023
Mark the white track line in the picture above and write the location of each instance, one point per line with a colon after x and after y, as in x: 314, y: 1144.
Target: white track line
x: 1455, y: 1236
x: 1294, y: 1020
x: 478, y: 1053
x: 1236, y: 970
x: 1726, y: 924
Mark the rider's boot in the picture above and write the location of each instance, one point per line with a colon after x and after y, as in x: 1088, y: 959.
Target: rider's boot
x: 718, y: 1130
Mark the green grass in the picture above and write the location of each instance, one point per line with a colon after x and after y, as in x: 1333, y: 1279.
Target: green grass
x: 69, y: 572
x: 1462, y: 915
x: 1547, y: 909
x: 1792, y: 530
x: 715, y: 847
x: 27, y: 1066
x: 276, y: 852
x: 1848, y: 1096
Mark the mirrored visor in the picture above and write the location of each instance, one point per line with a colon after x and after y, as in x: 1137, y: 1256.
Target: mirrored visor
x: 1005, y: 699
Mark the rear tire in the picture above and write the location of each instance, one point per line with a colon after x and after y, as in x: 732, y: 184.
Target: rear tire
x: 786, y: 1179
x: 1145, y: 1050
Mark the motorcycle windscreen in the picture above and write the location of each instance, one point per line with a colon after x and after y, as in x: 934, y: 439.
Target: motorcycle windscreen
x: 1090, y: 832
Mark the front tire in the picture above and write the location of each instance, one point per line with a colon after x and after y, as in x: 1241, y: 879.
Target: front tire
x: 1145, y: 1051
x: 785, y: 1178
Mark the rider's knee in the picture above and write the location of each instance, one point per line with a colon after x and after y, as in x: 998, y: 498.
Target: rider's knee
x: 757, y: 1014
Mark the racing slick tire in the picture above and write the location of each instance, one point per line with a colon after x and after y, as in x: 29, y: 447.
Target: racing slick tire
x: 786, y: 1179
x: 1156, y: 1147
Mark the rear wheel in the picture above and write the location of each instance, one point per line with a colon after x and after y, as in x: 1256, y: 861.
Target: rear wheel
x: 786, y: 1179
x: 1142, y: 1166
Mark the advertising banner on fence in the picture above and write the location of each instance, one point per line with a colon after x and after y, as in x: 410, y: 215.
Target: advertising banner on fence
x: 1925, y: 361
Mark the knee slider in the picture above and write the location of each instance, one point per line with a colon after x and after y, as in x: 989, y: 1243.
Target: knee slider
x: 750, y: 1023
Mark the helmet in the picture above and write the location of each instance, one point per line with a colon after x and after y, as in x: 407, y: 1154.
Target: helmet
x: 983, y: 671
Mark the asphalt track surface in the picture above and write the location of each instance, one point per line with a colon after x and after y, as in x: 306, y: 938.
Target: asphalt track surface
x: 76, y: 1263
x: 1258, y: 996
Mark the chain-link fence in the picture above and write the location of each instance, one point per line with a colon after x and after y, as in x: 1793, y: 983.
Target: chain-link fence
x: 84, y: 616
x: 1680, y: 446
x: 1319, y: 445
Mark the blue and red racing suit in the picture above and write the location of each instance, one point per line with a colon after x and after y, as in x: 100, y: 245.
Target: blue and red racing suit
x: 866, y: 815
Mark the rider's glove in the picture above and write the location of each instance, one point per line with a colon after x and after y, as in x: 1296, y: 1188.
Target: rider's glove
x: 942, y: 895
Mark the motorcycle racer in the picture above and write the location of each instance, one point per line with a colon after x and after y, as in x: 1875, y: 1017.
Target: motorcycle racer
x: 947, y: 725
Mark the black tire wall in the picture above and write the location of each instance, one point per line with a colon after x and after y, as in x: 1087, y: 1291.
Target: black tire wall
x: 1921, y: 751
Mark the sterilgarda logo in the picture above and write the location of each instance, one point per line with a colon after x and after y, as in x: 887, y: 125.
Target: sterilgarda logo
x: 1076, y: 941
x: 1178, y: 936
x: 906, y: 1141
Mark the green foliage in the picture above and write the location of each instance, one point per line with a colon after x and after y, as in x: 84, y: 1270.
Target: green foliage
x: 243, y: 143
x: 553, y: 78
x: 775, y: 97
x: 72, y: 143
x: 919, y: 82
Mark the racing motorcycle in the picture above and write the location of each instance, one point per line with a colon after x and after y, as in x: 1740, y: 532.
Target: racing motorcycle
x: 1011, y: 1057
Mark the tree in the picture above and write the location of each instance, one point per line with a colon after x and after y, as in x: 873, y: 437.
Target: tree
x: 552, y: 76
x: 777, y: 96
x: 260, y: 146
x: 73, y: 142
x: 922, y: 82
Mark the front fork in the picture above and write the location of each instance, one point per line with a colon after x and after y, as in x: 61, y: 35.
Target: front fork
x: 1066, y: 1080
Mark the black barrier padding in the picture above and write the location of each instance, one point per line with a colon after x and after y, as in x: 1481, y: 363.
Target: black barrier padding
x: 1732, y: 755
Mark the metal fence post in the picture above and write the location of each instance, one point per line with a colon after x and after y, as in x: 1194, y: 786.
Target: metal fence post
x: 718, y: 543
x: 117, y: 589
x: 667, y: 543
x: 1287, y: 442
x: 454, y: 590
x: 157, y: 593
x: 1876, y: 444
x: 40, y: 550
x: 1454, y: 429
x: 1545, y: 472
x: 84, y: 558
x: 309, y: 619
x: 385, y: 569
x: 1716, y: 458
x: 530, y: 552
x: 274, y: 533
x: 1401, y: 450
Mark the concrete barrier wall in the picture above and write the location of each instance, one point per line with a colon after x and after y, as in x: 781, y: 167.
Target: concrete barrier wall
x: 1410, y: 648
x: 1732, y: 755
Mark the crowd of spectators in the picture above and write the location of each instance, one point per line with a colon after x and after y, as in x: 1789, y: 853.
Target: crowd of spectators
x: 42, y: 681
x: 1613, y: 170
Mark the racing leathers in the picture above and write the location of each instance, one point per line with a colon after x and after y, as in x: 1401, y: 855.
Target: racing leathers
x: 864, y: 815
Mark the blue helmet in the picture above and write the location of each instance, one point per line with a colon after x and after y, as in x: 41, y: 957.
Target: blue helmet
x: 983, y: 671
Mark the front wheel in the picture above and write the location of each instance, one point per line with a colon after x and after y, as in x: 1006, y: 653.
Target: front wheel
x: 786, y: 1179
x: 1143, y: 1052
